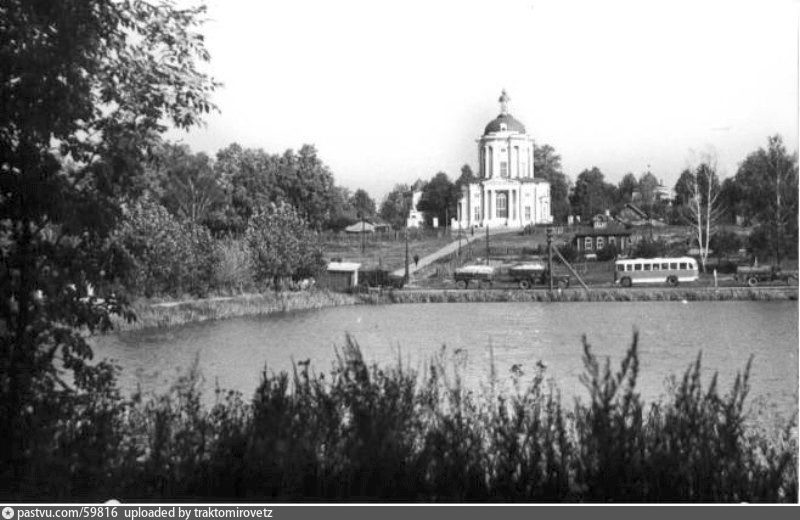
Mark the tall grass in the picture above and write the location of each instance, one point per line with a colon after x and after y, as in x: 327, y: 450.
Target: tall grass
x: 371, y: 433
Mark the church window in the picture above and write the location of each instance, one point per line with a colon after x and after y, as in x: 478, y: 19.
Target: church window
x: 600, y: 243
x: 503, y: 169
x: 612, y: 239
x: 477, y: 213
x: 527, y: 212
x: 587, y: 243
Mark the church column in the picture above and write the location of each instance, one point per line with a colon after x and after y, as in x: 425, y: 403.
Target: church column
x: 514, y: 204
x: 509, y: 159
x: 488, y: 205
x: 485, y: 161
x: 529, y: 173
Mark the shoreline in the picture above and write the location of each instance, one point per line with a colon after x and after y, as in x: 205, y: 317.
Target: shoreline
x: 163, y: 315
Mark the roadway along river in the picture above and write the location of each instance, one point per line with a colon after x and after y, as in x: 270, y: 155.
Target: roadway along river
x: 233, y: 352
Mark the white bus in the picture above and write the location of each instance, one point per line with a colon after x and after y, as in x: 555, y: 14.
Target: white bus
x: 655, y: 270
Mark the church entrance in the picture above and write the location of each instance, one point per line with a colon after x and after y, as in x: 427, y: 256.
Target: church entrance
x: 502, y: 204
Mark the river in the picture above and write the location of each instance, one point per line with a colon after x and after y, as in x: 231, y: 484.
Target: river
x: 233, y: 352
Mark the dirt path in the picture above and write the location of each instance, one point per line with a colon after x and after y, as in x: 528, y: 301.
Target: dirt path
x: 449, y: 249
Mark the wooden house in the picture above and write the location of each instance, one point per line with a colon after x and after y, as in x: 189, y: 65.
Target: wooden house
x: 591, y: 240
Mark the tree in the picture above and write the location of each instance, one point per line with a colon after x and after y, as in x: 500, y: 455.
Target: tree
x: 363, y: 204
x: 467, y: 176
x: 439, y: 199
x: 731, y: 199
x: 396, y: 205
x: 723, y: 243
x: 308, y: 184
x: 168, y: 256
x: 87, y: 87
x: 627, y: 186
x: 767, y: 181
x: 282, y: 245
x: 683, y: 187
x: 547, y: 165
x: 592, y: 195
x: 257, y: 179
x: 188, y: 185
x: 702, y: 209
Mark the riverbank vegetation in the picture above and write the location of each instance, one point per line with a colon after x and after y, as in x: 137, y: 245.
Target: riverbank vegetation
x: 150, y: 314
x: 372, y: 433
x: 580, y: 295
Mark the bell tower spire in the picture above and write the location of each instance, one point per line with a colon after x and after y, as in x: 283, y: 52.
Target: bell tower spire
x: 504, y: 99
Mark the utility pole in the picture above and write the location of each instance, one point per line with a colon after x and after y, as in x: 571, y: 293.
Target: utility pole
x: 406, y: 254
x: 550, y: 256
x: 459, y: 239
x: 361, y: 214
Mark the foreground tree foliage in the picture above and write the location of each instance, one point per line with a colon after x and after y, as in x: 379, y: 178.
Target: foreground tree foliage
x: 390, y: 433
x: 86, y: 86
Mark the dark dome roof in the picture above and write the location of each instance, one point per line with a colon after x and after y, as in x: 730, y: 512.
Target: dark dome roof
x: 512, y: 125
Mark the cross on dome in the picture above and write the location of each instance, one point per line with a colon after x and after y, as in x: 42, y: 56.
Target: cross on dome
x: 504, y: 99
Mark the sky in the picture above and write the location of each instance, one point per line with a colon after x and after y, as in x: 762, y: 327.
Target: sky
x: 390, y: 92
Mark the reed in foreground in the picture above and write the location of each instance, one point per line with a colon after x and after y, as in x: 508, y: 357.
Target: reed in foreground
x: 364, y: 433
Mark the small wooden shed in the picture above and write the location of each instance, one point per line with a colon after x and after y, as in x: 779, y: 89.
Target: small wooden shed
x: 340, y: 276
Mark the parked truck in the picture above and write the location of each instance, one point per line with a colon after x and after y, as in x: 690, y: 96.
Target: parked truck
x: 535, y: 273
x: 482, y: 275
x: 752, y: 275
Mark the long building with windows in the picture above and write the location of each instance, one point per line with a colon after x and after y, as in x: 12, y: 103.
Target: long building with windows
x: 506, y: 192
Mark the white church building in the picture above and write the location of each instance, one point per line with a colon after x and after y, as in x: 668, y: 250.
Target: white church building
x: 505, y: 192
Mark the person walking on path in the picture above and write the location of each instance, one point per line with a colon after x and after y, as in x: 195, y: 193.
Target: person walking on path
x: 416, y: 260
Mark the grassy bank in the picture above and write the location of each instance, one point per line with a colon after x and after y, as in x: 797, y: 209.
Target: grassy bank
x: 170, y: 314
x: 579, y: 295
x: 369, y: 433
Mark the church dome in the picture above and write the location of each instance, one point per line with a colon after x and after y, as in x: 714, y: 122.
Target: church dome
x: 504, y: 123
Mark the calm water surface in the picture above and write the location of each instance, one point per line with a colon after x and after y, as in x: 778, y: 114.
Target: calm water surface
x: 233, y: 352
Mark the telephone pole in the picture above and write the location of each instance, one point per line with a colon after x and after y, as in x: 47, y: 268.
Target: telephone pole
x: 550, y: 256
x: 406, y: 254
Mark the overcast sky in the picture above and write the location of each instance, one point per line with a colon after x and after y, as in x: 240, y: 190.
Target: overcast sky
x: 390, y: 92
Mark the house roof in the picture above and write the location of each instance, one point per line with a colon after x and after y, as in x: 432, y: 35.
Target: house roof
x: 357, y: 228
x: 636, y: 209
x: 344, y: 266
x: 606, y: 231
